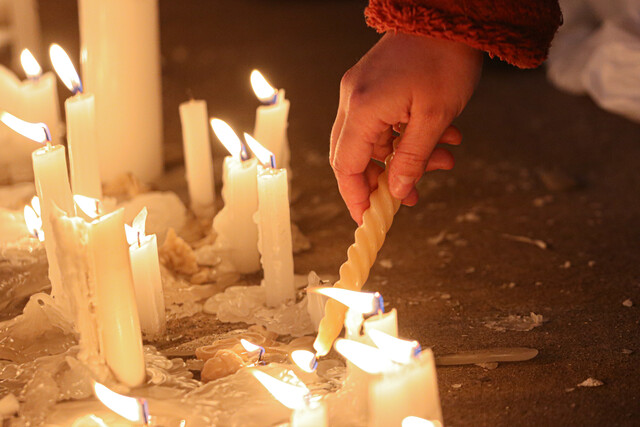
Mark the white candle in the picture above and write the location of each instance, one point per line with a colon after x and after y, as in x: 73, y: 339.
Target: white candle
x: 237, y: 232
x: 274, y: 227
x: 197, y: 157
x: 52, y: 187
x: 407, y: 390
x: 39, y: 103
x: 83, y: 148
x: 15, y: 154
x: 271, y: 119
x: 81, y: 129
x: 147, y: 281
x: 120, y: 52
x: 383, y: 322
x: 313, y: 414
x: 120, y: 341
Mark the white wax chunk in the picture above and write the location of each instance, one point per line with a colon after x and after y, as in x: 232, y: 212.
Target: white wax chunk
x: 120, y: 57
x: 411, y: 390
x: 271, y: 129
x: 52, y: 187
x: 237, y: 232
x: 274, y: 225
x: 119, y: 325
x: 83, y: 146
x: 148, y: 286
x: 313, y: 415
x: 197, y: 156
x: 12, y: 226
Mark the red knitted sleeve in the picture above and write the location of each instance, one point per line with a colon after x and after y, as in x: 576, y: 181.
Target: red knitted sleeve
x: 516, y: 31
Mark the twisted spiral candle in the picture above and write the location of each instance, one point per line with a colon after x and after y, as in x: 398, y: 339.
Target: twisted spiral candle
x: 361, y: 255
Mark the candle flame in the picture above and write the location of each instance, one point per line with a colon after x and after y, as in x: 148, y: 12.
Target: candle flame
x: 229, y: 139
x: 289, y: 395
x: 33, y: 222
x: 265, y: 156
x: 419, y: 422
x: 365, y: 357
x: 136, y: 231
x: 252, y: 349
x: 35, y: 203
x: 38, y: 132
x: 65, y: 69
x: 30, y: 65
x: 135, y: 410
x: 361, y: 302
x: 261, y: 87
x: 305, y: 360
x: 90, y: 206
x: 400, y: 351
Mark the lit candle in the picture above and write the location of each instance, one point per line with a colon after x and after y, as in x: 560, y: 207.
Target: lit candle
x: 147, y: 281
x: 237, y: 232
x: 197, y: 157
x: 408, y: 390
x: 39, y: 96
x: 271, y: 119
x: 120, y: 56
x: 52, y: 187
x: 81, y: 129
x: 274, y: 226
x: 361, y: 255
x: 117, y: 314
x: 306, y: 411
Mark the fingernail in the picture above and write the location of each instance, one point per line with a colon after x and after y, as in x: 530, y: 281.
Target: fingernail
x: 401, y: 186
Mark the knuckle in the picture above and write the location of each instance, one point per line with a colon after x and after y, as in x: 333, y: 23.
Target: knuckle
x: 410, y: 161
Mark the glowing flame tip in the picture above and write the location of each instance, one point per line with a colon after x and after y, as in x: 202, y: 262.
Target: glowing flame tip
x: 261, y: 87
x: 135, y: 410
x: 265, y: 156
x: 38, y: 132
x: 30, y: 65
x: 65, y: 69
x: 289, y: 395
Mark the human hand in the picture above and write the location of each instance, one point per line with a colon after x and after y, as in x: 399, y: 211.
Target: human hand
x: 417, y: 80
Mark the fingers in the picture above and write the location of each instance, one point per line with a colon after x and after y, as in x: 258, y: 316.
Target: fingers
x: 410, y: 158
x: 440, y: 158
x: 451, y: 136
x: 353, y: 150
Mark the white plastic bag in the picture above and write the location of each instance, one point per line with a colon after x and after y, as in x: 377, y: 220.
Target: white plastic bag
x: 597, y: 52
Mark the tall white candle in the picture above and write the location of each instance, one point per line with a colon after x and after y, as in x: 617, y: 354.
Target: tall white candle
x: 81, y: 129
x: 274, y: 227
x: 117, y: 314
x: 120, y: 52
x: 83, y: 147
x: 237, y: 232
x: 408, y: 390
x: 271, y: 119
x: 72, y: 234
x: 197, y: 157
x: 15, y: 153
x: 147, y: 281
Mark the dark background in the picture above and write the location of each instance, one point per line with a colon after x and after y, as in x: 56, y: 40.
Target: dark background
x: 518, y: 130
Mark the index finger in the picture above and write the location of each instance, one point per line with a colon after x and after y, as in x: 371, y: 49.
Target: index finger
x: 353, y: 151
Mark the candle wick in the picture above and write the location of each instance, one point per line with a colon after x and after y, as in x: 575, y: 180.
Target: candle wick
x: 272, y: 160
x: 139, y: 243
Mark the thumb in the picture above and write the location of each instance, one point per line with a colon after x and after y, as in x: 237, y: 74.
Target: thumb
x: 412, y: 153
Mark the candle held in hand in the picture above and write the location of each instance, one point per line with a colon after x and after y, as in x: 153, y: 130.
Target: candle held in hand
x: 361, y: 255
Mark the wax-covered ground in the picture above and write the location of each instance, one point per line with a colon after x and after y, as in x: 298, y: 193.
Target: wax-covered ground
x: 535, y: 162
